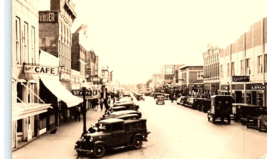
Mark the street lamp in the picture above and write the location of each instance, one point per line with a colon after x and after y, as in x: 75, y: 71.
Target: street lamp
x: 228, y: 88
x: 84, y: 108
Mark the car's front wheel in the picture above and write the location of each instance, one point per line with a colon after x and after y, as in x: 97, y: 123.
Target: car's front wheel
x: 99, y: 150
x: 137, y: 142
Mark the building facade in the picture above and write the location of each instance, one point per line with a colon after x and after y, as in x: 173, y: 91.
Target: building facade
x: 246, y: 57
x: 191, y: 80
x: 211, y: 77
x: 27, y: 106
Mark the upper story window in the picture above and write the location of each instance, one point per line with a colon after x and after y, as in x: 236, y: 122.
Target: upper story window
x: 33, y: 54
x: 260, y: 64
x: 247, y: 67
x: 26, y: 42
x: 233, y: 68
x: 18, y: 41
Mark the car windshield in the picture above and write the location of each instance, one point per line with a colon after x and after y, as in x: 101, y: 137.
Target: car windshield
x: 161, y: 98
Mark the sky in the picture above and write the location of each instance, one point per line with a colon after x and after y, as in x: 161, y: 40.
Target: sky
x: 135, y: 38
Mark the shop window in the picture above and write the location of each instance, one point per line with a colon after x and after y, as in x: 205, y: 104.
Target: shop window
x: 228, y: 70
x: 242, y: 67
x: 259, y: 99
x: 19, y: 125
x: 248, y: 98
x: 18, y: 41
x: 233, y: 68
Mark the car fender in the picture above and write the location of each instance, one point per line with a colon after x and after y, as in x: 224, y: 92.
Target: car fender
x: 137, y: 134
x: 100, y: 142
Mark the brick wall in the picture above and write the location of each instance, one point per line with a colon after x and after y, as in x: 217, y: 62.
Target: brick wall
x: 48, y: 37
x: 75, y: 52
x: 240, y: 43
x: 249, y: 39
x: 265, y: 29
x: 192, y: 76
x: 233, y: 48
x: 257, y: 33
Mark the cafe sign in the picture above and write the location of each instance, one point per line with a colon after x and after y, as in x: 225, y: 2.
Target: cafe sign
x: 95, y: 80
x: 41, y: 70
x: 257, y: 87
x: 241, y: 78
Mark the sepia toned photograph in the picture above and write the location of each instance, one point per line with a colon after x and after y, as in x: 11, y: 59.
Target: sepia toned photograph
x: 128, y: 79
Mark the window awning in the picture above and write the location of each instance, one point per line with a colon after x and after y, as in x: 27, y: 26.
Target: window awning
x: 23, y: 110
x: 61, y: 92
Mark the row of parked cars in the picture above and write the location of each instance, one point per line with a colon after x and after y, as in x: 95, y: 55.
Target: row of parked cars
x: 121, y: 126
x: 222, y: 107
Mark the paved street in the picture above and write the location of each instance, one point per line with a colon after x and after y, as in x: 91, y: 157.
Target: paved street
x: 176, y: 132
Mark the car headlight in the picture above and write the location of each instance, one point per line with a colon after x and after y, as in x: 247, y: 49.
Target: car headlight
x: 91, y: 139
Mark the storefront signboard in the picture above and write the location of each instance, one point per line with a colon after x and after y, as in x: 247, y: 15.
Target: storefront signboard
x: 95, y: 80
x: 41, y: 70
x: 241, y: 78
x: 257, y: 87
x: 80, y: 92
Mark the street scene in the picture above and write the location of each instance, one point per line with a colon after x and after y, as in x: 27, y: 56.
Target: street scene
x: 184, y: 130
x: 139, y: 79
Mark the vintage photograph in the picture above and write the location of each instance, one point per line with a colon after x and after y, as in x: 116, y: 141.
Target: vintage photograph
x: 127, y: 79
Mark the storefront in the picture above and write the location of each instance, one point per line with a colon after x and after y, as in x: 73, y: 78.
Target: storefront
x: 53, y: 91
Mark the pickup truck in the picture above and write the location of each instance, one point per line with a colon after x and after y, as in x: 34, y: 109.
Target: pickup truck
x: 113, y: 134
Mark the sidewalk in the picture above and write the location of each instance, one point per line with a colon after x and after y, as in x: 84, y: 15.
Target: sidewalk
x: 91, y: 117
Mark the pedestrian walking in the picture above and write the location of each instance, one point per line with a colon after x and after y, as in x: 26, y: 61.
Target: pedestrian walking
x: 106, y: 105
x: 77, y: 114
x: 101, y: 104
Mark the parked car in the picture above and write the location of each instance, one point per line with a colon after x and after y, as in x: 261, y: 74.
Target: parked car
x: 94, y: 127
x: 200, y: 103
x: 182, y: 100
x: 221, y: 107
x: 187, y: 102
x: 113, y: 134
x: 120, y: 113
x: 193, y: 103
x: 206, y: 105
x: 243, y: 111
x: 160, y: 100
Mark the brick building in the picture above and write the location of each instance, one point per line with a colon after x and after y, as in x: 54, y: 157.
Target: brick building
x: 55, y: 39
x: 211, y: 77
x: 191, y: 80
x: 26, y: 103
x: 246, y: 57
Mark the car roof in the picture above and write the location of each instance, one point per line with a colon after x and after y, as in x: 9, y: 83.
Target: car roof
x: 245, y: 105
x: 118, y: 107
x: 123, y: 111
x: 127, y: 115
x: 132, y: 121
x: 109, y: 121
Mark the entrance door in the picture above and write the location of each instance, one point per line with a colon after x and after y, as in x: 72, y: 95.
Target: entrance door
x: 238, y: 96
x: 254, y: 98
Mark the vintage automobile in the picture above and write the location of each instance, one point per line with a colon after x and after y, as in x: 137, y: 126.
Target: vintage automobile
x: 182, y: 100
x: 221, y: 107
x: 94, y: 127
x: 129, y: 104
x: 160, y: 100
x: 147, y: 93
x: 124, y: 99
x: 166, y: 96
x: 120, y: 113
x: 113, y: 134
x: 206, y: 105
x: 200, y: 103
x: 158, y: 94
x: 193, y: 103
x: 244, y: 111
x: 139, y: 97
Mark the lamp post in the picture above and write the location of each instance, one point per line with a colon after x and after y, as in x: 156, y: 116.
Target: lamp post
x: 84, y: 108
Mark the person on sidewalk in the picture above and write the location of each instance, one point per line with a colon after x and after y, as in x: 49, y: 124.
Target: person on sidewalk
x: 101, y: 104
x: 77, y: 114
